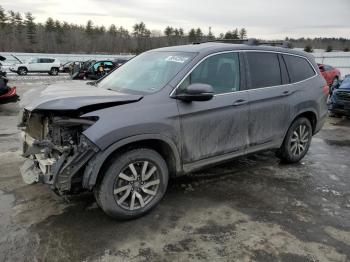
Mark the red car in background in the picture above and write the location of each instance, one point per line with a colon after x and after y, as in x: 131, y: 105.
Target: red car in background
x: 331, y: 74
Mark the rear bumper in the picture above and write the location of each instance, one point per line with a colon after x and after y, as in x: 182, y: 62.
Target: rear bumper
x: 320, y: 122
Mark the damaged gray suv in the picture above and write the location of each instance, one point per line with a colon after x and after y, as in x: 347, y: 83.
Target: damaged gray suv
x: 167, y: 112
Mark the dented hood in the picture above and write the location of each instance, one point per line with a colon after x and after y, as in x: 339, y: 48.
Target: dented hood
x: 74, y: 96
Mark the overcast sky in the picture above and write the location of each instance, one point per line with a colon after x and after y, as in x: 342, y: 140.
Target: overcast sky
x: 269, y: 19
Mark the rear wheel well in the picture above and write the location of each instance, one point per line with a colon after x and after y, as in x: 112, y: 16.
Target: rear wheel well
x: 157, y: 145
x: 311, y: 116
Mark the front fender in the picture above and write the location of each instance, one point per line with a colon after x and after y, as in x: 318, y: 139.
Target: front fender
x: 95, y: 164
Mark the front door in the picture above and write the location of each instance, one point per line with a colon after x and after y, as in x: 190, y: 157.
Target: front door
x: 219, y: 126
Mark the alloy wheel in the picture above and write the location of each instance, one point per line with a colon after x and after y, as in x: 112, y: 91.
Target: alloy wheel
x: 300, y: 139
x: 136, y: 185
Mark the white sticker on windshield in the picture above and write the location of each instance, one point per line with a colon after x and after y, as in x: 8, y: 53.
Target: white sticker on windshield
x: 177, y: 59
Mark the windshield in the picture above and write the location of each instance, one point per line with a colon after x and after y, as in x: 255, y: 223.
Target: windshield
x: 147, y: 73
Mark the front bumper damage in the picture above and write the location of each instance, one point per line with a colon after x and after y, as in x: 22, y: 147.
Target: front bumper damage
x: 58, y: 166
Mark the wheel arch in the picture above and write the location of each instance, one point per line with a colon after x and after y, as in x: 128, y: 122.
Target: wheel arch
x: 310, y: 115
x: 26, y: 68
x: 161, y: 144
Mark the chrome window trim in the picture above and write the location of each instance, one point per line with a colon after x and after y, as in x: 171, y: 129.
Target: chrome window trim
x: 253, y: 50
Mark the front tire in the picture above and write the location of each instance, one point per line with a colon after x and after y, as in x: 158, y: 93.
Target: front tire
x: 133, y: 184
x: 22, y: 71
x: 296, y: 142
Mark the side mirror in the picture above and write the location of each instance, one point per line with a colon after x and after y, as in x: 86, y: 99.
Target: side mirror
x: 322, y: 69
x: 196, y: 92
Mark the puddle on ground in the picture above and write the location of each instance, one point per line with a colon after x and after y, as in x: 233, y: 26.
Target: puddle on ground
x: 341, y: 143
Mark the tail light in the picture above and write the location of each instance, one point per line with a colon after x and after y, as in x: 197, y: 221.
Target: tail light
x: 325, y: 90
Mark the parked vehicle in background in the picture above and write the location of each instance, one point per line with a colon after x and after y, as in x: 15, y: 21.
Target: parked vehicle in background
x: 7, y: 94
x: 339, y: 104
x: 167, y: 112
x: 2, y: 73
x: 37, y: 65
x: 331, y: 75
x: 100, y: 69
x: 119, y: 62
x: 94, y: 70
x: 79, y: 71
x: 68, y: 67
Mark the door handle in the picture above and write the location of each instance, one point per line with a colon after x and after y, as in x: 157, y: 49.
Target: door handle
x: 240, y: 102
x: 286, y: 93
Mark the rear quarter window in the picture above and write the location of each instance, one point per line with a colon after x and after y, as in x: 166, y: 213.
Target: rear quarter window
x: 298, y: 68
x: 264, y: 69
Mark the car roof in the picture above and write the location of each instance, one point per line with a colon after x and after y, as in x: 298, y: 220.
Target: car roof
x: 214, y: 47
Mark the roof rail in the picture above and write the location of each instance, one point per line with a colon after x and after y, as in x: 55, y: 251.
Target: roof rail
x: 250, y: 41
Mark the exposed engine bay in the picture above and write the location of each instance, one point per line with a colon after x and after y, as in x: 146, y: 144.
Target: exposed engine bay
x: 55, y: 148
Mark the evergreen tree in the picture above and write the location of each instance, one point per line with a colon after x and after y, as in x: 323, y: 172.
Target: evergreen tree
x: 228, y: 35
x: 59, y: 33
x: 49, y: 25
x: 112, y: 30
x: 19, y: 23
x: 235, y: 34
x: 199, y: 34
x: 3, y: 17
x: 308, y: 49
x: 243, y: 33
x: 31, y: 28
x: 181, y: 32
x: 329, y: 48
x: 169, y: 31
x: 192, y: 37
x: 89, y: 29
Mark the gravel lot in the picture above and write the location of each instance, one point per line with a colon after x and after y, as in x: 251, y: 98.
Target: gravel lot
x: 251, y: 209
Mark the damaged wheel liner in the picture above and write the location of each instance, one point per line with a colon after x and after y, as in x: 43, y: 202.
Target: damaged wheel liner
x: 59, y: 150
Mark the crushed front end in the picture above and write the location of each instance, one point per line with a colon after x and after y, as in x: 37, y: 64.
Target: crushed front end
x: 56, y: 149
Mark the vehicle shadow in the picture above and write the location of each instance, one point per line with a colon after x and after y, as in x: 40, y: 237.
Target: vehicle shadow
x: 249, y: 185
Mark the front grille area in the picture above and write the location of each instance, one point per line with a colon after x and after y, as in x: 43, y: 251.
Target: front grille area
x: 343, y: 95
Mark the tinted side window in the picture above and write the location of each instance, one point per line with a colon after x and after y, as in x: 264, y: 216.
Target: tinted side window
x: 328, y: 68
x: 264, y: 69
x: 298, y: 68
x: 220, y: 71
x: 108, y: 64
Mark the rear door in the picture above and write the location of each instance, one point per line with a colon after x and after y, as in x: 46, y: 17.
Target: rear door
x: 269, y: 98
x: 219, y: 126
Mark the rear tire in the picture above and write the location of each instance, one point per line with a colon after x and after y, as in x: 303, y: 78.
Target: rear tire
x: 296, y: 142
x: 133, y: 184
x: 54, y: 71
